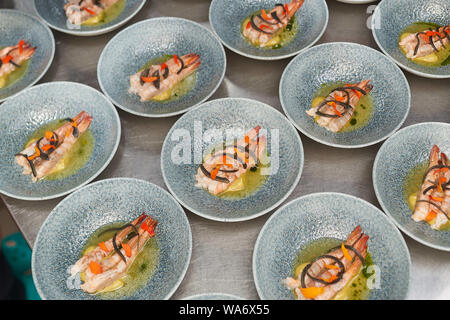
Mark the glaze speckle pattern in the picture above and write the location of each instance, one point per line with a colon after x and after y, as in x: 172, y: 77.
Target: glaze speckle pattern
x: 67, y: 228
x: 244, y: 114
x: 391, y: 17
x: 329, y: 215
x: 39, y: 105
x: 346, y: 62
x: 16, y: 25
x: 153, y: 38
x: 396, y: 158
x: 52, y: 12
x: 213, y: 296
x: 226, y: 18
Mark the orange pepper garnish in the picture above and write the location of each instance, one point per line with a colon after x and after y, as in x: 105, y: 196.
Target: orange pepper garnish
x: 48, y: 147
x: 215, y: 172
x: 149, y: 79
x: 21, y: 43
x: 95, y: 267
x: 36, y: 154
x: 286, y: 8
x: 264, y: 15
x: 163, y: 66
x: 175, y: 58
x: 312, y: 292
x: 248, y: 25
x: 127, y: 249
x: 444, y: 169
x: 333, y: 104
x: 438, y: 199
x: 48, y: 135
x: 339, y: 98
x: 345, y: 252
x: 331, y: 266
x: 431, y: 215
x: 6, y: 59
x: 330, y: 279
x: 149, y: 229
x: 102, y: 246
x: 91, y: 12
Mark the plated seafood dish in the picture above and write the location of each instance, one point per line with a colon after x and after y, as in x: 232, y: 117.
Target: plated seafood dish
x: 58, y: 149
x: 234, y: 169
x: 338, y: 274
x: 431, y: 203
x: 14, y: 62
x: 273, y: 29
x: 118, y: 257
x: 426, y: 44
x: 166, y: 78
x: 346, y: 108
x: 93, y: 12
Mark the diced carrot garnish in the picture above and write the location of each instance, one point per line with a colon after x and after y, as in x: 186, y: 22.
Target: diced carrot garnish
x: 95, y: 267
x: 127, y: 249
x: 312, y: 292
x: 102, y: 246
x: 431, y: 215
x: 149, y: 79
x: 91, y: 12
x: 345, y: 252
x: 21, y: 43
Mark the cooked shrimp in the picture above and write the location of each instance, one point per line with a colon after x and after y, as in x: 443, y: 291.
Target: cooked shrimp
x: 13, y: 57
x: 41, y: 157
x: 263, y: 27
x: 220, y: 169
x: 331, y: 272
x: 338, y: 108
x: 421, y: 44
x: 159, y: 78
x: 78, y: 11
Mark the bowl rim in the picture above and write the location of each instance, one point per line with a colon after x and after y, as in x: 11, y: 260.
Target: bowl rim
x: 280, y: 57
x: 379, y: 197
x: 169, y: 114
x: 377, y: 13
x: 99, y: 171
x: 339, y: 145
x: 320, y: 194
x: 92, y: 32
x: 51, y: 57
x: 120, y: 179
x: 252, y: 216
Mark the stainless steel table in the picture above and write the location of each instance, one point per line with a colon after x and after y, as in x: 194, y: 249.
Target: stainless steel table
x: 222, y: 253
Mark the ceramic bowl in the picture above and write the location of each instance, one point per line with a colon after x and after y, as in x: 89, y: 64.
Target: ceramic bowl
x: 349, y: 63
x: 16, y: 25
x: 328, y: 215
x: 226, y: 18
x: 52, y: 12
x: 66, y: 230
x: 213, y: 296
x: 391, y: 17
x: 30, y: 110
x: 397, y: 157
x: 151, y: 39
x: 213, y: 123
x: 356, y: 1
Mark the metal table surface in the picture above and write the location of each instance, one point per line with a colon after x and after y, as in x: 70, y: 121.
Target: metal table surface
x: 222, y: 252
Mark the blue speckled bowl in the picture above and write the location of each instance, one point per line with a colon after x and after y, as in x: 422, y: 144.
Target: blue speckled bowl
x: 16, y: 25
x: 52, y: 12
x: 153, y: 38
x: 391, y: 17
x: 66, y: 230
x: 347, y: 62
x: 39, y: 105
x: 328, y: 215
x: 226, y: 18
x: 223, y: 114
x: 213, y: 296
x: 396, y: 158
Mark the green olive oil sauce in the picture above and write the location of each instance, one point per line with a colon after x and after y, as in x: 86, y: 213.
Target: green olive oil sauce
x: 361, y: 115
x: 356, y: 289
x: 436, y: 59
x: 283, y: 38
x: 106, y: 16
x: 178, y: 90
x: 77, y: 156
x: 16, y: 75
x: 411, y: 186
x: 142, y: 269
